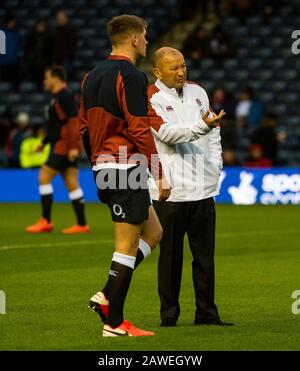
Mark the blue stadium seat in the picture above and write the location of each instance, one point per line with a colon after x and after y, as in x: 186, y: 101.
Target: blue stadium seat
x: 230, y: 63
x: 37, y: 120
x: 267, y: 96
x: 252, y: 63
x: 254, y: 21
x: 4, y: 88
x: 26, y: 87
x: 195, y: 75
x: 13, y: 98
x: 207, y: 63
x: 279, y: 109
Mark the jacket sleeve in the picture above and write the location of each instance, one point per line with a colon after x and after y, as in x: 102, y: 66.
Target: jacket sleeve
x: 215, y: 148
x: 173, y: 134
x: 132, y: 97
x: 214, y: 143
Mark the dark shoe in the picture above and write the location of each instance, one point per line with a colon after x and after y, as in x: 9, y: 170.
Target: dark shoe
x: 216, y: 322
x: 168, y: 323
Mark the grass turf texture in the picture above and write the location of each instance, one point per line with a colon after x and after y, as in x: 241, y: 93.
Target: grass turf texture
x: 48, y: 280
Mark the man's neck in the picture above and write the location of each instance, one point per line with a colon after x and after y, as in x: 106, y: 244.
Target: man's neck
x: 124, y: 52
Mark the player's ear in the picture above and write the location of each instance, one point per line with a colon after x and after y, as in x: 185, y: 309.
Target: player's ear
x: 134, y: 40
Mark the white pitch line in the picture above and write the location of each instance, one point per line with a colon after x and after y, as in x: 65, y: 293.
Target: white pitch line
x: 259, y: 233
x: 55, y: 244
x: 101, y: 242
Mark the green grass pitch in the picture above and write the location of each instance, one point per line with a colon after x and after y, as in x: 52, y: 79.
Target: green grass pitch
x: 48, y: 280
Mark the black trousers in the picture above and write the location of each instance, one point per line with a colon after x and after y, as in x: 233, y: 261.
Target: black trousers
x: 197, y: 219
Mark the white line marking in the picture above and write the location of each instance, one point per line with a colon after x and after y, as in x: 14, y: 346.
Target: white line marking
x: 258, y: 233
x: 101, y: 242
x: 55, y: 244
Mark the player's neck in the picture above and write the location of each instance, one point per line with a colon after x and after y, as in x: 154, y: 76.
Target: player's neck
x: 125, y: 52
x: 58, y: 87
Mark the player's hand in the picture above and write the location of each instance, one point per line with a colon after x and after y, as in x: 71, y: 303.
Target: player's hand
x: 164, y: 189
x: 214, y: 121
x: 40, y: 148
x: 73, y: 154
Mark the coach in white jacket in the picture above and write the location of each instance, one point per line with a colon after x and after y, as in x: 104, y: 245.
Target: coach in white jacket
x: 189, y: 145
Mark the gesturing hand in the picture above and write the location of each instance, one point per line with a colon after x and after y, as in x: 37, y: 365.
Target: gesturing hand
x: 214, y: 121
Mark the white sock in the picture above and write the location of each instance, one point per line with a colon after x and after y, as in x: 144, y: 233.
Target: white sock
x: 145, y: 248
x: 75, y: 195
x: 45, y: 189
x: 123, y: 259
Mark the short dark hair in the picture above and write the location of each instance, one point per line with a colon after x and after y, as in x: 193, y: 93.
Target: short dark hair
x: 122, y: 25
x: 57, y: 71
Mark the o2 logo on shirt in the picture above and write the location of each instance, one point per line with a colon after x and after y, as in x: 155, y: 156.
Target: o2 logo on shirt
x: 117, y: 209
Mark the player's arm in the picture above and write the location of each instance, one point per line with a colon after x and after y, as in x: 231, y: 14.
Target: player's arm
x: 132, y: 97
x: 168, y: 133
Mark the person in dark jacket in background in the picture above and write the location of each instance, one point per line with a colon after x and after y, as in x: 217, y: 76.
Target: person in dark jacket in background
x: 64, y: 42
x: 9, y: 62
x: 266, y: 136
x: 38, y: 50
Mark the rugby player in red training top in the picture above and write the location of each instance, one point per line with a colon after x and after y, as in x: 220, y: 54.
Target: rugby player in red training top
x: 64, y: 137
x: 113, y: 117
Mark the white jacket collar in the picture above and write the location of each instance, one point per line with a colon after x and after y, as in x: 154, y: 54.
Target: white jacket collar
x: 172, y: 91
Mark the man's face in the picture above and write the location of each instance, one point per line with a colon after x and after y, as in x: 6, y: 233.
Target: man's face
x: 11, y: 25
x: 171, y: 70
x: 140, y: 43
x: 61, y: 18
x: 49, y: 81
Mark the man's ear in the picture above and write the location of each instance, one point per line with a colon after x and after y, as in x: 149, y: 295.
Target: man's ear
x: 134, y: 40
x: 156, y: 72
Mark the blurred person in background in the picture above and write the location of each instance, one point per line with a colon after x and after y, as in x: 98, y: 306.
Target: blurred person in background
x: 38, y: 50
x: 213, y: 4
x: 220, y: 46
x: 242, y: 8
x: 222, y: 100
x: 63, y: 135
x: 29, y: 156
x: 229, y: 157
x: 188, y: 10
x: 9, y: 62
x: 249, y: 111
x: 267, y: 137
x: 6, y: 126
x: 196, y: 46
x: 257, y: 158
x: 16, y: 137
x: 269, y: 7
x: 64, y: 42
